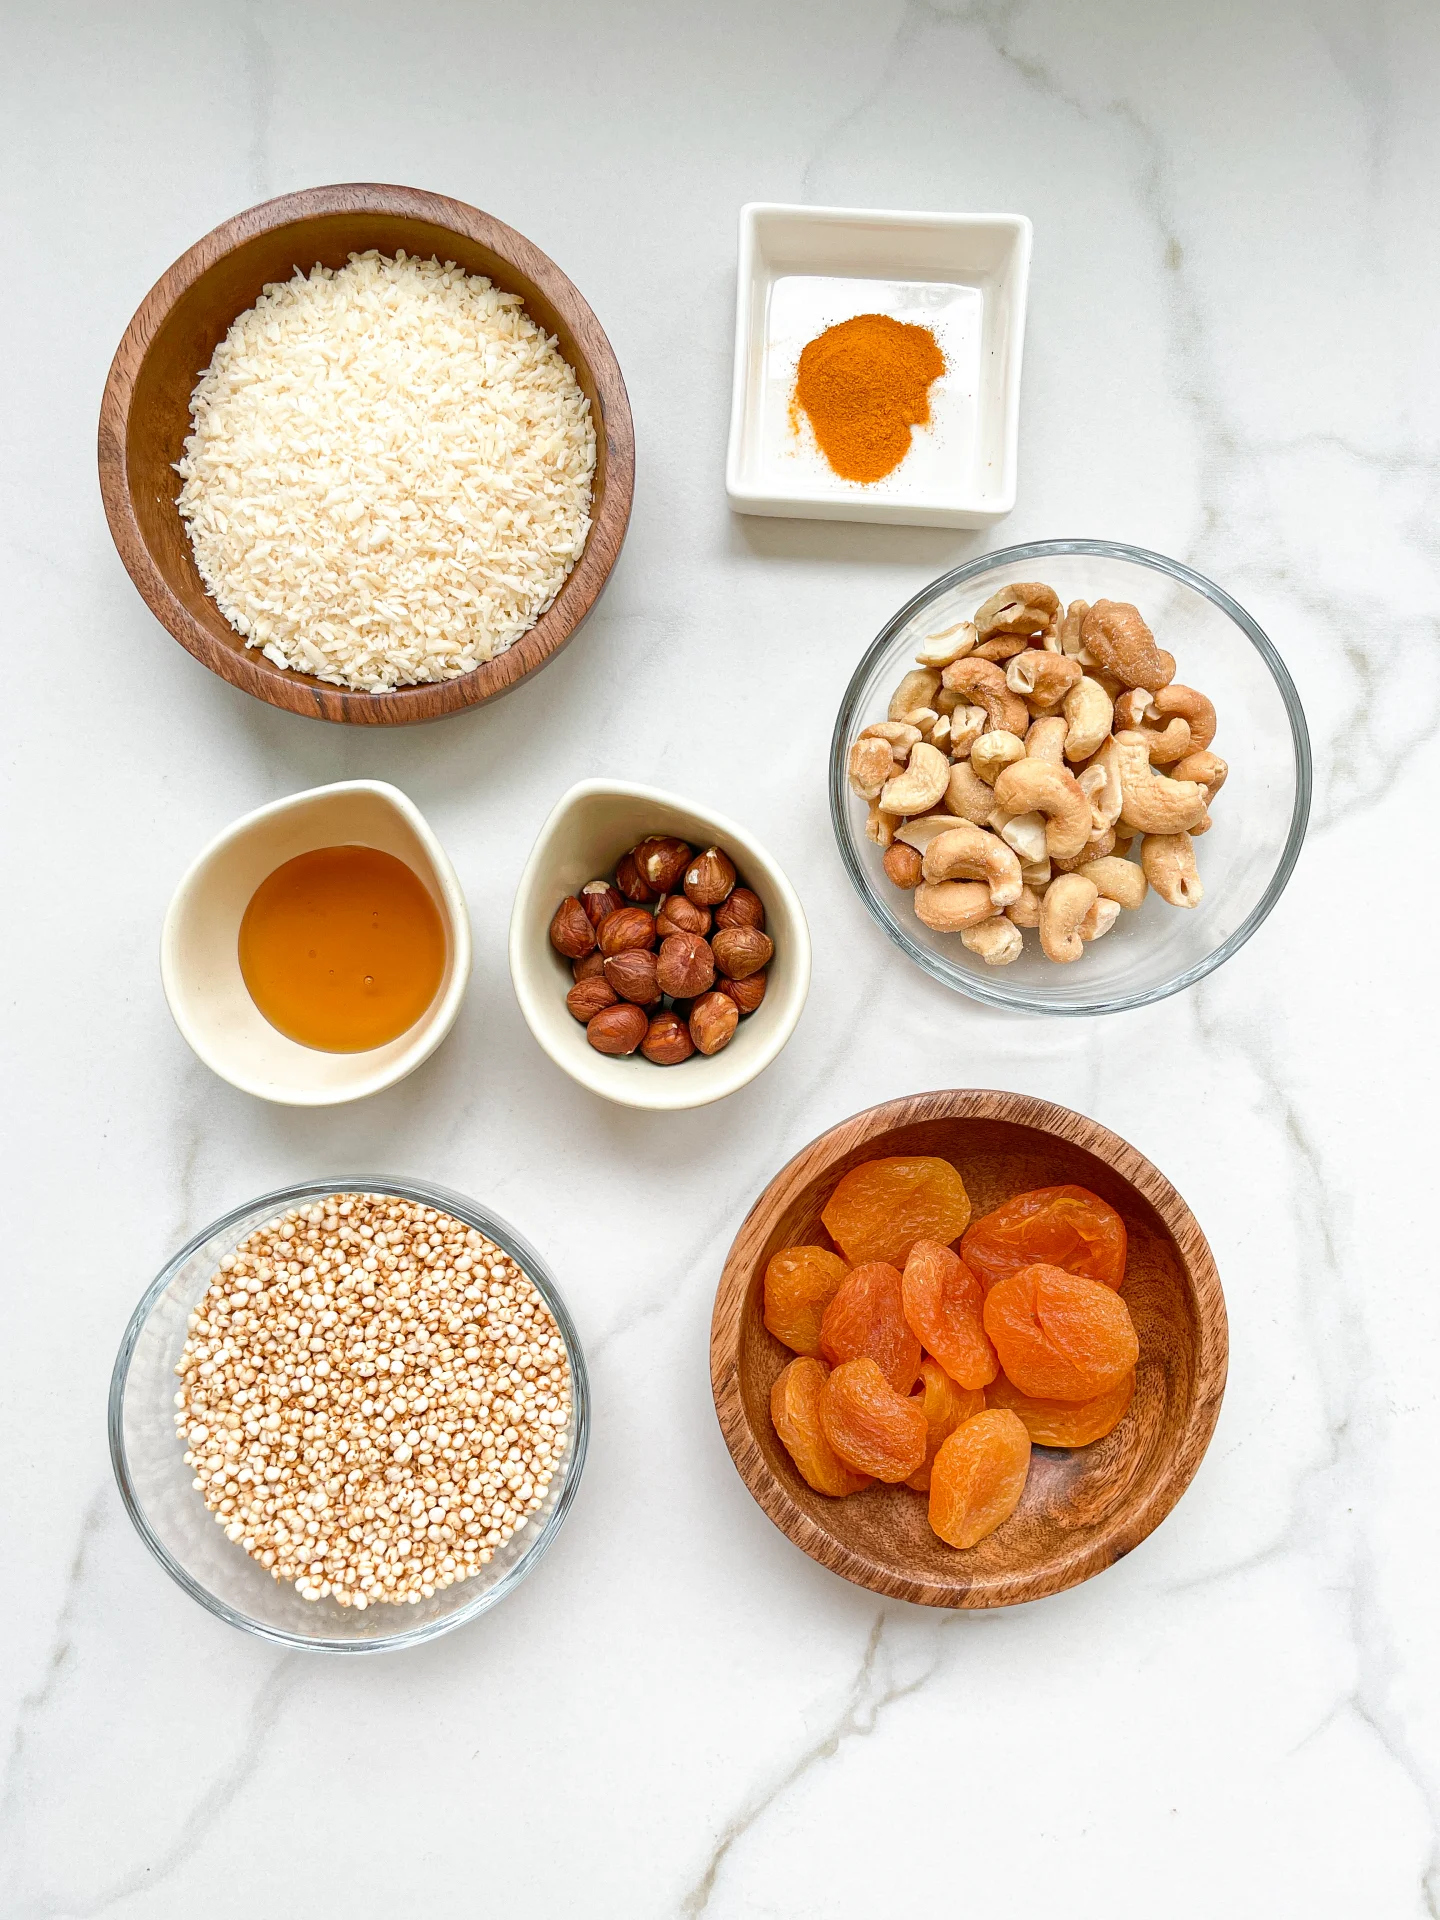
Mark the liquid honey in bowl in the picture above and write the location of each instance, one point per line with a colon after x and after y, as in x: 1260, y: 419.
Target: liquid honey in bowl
x: 342, y: 949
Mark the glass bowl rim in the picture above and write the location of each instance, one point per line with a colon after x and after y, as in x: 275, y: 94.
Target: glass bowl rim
x: 976, y: 988
x: 424, y: 1193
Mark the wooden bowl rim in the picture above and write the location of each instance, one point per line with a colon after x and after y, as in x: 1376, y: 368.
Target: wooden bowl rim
x: 248, y: 668
x: 1212, y: 1347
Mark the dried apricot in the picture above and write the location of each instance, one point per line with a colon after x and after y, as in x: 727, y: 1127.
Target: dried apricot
x: 881, y: 1208
x: 978, y: 1477
x: 944, y: 1304
x: 1066, y: 1227
x: 1059, y: 1336
x: 865, y: 1320
x: 795, y: 1409
x: 1063, y: 1423
x: 873, y: 1429
x: 944, y: 1405
x: 800, y: 1283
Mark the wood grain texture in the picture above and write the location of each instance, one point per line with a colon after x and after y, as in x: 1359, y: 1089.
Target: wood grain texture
x: 145, y: 417
x: 1081, y: 1509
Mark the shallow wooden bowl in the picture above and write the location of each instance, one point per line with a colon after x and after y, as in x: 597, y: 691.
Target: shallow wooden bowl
x: 1082, y: 1509
x: 145, y: 417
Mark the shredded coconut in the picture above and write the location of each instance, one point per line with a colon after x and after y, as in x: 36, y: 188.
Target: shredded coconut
x: 389, y: 476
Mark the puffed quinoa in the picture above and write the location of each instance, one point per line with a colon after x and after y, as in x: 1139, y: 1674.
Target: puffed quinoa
x: 374, y: 1399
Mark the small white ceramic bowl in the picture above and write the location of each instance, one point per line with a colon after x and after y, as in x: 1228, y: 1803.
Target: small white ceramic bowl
x: 963, y: 275
x: 591, y: 827
x: 200, y: 957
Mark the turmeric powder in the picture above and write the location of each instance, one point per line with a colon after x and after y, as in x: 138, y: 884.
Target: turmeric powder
x: 863, y: 384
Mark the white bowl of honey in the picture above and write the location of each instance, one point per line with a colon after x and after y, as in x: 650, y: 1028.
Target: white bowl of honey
x: 319, y: 948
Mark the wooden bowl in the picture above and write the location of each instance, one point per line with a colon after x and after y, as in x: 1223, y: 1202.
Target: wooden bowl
x: 1082, y: 1509
x: 145, y: 417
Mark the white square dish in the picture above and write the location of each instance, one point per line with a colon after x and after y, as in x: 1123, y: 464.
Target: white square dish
x: 963, y: 275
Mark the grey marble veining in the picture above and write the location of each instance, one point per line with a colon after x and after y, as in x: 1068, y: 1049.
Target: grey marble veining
x: 1230, y: 358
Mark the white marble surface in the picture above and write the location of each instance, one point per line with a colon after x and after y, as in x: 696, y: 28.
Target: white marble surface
x: 1231, y: 357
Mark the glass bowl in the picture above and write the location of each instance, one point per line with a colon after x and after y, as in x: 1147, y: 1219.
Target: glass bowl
x: 1259, y: 819
x: 184, y: 1536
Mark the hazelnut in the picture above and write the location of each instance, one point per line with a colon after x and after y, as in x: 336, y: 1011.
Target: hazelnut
x: 661, y: 860
x: 631, y: 882
x: 587, y: 968
x: 903, y: 865
x: 617, y: 1029
x: 630, y: 927
x: 676, y: 914
x: 687, y: 966
x: 710, y: 877
x: 741, y: 951
x: 587, y: 997
x: 570, y: 931
x: 742, y: 909
x: 632, y: 973
x: 747, y: 993
x: 598, y: 898
x: 713, y: 1020
x: 668, y: 1042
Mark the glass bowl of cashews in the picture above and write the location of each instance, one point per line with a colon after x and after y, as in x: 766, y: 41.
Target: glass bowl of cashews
x: 1071, y: 777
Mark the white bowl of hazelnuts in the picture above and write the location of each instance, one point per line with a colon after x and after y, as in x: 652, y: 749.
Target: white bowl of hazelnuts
x: 658, y: 952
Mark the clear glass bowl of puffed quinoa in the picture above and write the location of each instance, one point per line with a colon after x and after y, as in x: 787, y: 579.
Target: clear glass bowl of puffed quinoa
x: 351, y: 1415
x: 1131, y: 642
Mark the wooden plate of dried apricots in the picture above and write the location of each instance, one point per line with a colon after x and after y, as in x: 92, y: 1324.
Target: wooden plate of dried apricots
x: 1007, y: 1322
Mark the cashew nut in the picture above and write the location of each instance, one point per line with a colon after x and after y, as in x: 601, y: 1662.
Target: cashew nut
x: 939, y: 649
x: 1025, y: 912
x: 1169, y: 744
x: 1036, y: 873
x: 1169, y: 863
x: 1100, y: 784
x: 901, y: 737
x: 950, y: 905
x: 1099, y: 920
x: 983, y: 684
x: 993, y: 752
x: 997, y: 942
x: 922, y: 718
x: 1118, y: 880
x: 1046, y: 739
x: 1089, y: 714
x: 920, y: 786
x: 1025, y: 832
x: 1029, y: 606
x: 1066, y: 903
x: 1034, y: 786
x: 919, y: 833
x: 1070, y: 640
x: 870, y: 765
x: 1118, y: 638
x: 1193, y: 708
x: 1151, y: 803
x: 968, y: 795
x: 1135, y: 707
x: 879, y: 827
x: 1095, y: 848
x: 969, y: 853
x: 1042, y: 679
x: 917, y: 689
x: 966, y: 726
x: 1208, y: 768
x: 939, y: 735
x: 1003, y: 647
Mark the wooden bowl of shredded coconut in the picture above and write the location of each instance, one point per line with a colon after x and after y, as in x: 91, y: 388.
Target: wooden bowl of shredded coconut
x: 367, y: 453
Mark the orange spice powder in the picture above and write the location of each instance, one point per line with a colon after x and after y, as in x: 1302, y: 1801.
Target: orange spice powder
x: 863, y: 384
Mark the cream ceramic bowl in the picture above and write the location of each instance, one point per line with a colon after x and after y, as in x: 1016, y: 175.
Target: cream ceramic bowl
x: 200, y: 958
x: 591, y: 827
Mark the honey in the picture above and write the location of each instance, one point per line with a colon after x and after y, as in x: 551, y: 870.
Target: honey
x: 342, y: 948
